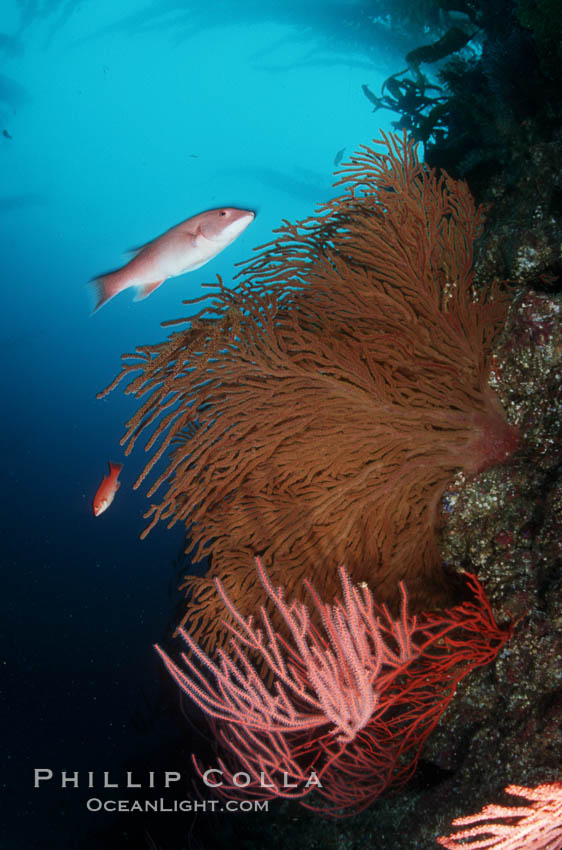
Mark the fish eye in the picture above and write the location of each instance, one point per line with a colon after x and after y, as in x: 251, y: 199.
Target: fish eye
x: 222, y: 212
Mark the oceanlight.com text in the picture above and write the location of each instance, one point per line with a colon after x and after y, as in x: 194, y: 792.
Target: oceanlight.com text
x: 95, y: 804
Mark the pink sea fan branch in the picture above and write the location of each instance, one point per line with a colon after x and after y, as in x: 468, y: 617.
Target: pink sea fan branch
x: 537, y: 825
x: 350, y: 701
x: 319, y: 681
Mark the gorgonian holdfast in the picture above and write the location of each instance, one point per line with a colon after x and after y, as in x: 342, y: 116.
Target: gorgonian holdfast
x: 315, y: 412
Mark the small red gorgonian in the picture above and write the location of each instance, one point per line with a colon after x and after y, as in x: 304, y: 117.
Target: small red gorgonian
x: 349, y: 702
x: 536, y: 825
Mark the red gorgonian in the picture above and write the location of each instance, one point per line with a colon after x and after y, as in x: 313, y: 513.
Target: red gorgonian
x: 343, y: 707
x: 536, y: 825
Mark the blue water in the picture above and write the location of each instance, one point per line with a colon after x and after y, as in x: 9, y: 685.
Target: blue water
x: 121, y: 120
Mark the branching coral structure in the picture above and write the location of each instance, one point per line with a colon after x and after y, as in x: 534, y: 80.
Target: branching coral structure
x: 350, y: 703
x: 534, y: 825
x: 315, y: 412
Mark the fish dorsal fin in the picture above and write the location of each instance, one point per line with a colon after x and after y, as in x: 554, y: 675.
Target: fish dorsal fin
x: 145, y: 290
x: 195, y: 231
x: 139, y: 248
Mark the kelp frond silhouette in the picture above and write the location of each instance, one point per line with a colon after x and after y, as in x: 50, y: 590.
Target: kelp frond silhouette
x: 315, y: 412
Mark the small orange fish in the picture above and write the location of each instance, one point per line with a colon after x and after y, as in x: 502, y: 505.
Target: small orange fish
x: 107, y: 489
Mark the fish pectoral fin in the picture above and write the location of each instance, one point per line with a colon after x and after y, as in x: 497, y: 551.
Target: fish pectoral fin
x: 145, y: 290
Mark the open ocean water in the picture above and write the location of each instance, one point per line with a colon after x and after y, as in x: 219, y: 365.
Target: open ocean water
x: 118, y: 121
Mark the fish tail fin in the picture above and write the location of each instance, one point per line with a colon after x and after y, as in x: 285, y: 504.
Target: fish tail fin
x: 115, y: 468
x: 106, y: 286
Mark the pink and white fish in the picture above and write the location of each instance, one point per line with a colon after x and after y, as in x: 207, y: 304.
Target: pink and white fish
x: 183, y: 248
